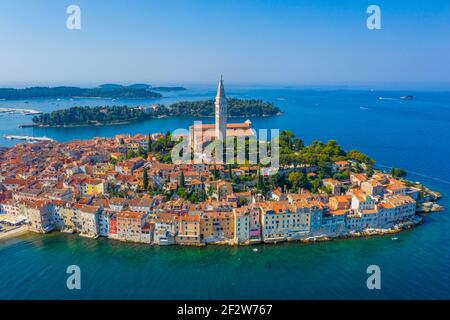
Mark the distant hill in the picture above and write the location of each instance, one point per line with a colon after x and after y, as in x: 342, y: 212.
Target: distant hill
x: 106, y: 91
x: 109, y: 90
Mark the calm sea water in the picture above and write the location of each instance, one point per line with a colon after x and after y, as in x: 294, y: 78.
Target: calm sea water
x: 414, y: 135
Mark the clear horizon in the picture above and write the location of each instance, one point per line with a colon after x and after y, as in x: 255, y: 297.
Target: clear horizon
x: 378, y: 86
x: 251, y: 43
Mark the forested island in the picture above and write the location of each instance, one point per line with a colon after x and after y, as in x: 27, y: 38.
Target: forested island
x: 107, y: 115
x: 112, y: 91
x: 236, y: 108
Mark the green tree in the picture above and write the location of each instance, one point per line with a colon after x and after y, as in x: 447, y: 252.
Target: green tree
x: 181, y: 180
x: 295, y: 179
x: 315, y: 185
x: 181, y: 192
x: 398, y: 172
x: 131, y: 154
x: 260, y: 181
x: 215, y: 172
x: 145, y: 179
x: 149, y: 143
x: 360, y: 157
x: 142, y: 153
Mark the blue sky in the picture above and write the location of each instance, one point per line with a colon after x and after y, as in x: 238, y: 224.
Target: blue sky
x: 249, y: 41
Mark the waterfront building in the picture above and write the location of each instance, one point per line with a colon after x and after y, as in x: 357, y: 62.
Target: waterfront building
x: 309, y: 217
x: 58, y: 211
x: 396, y: 209
x: 333, y: 222
x: 104, y: 218
x: 69, y: 217
x: 188, y: 229
x: 112, y: 223
x: 38, y: 214
x: 316, y: 210
x: 217, y: 226
x: 129, y: 225
x: 87, y: 220
x: 241, y: 225
x: 281, y: 221
x: 369, y: 218
x: 247, y: 226
x: 165, y: 229
x: 147, y: 232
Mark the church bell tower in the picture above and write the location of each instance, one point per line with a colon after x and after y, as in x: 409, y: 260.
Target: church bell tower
x: 220, y: 105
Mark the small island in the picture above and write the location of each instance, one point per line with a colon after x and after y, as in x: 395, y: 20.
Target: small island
x: 110, y: 115
x: 108, y: 91
x: 236, y: 108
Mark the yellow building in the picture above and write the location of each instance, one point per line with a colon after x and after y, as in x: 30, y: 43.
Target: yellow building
x: 92, y: 187
x: 217, y: 226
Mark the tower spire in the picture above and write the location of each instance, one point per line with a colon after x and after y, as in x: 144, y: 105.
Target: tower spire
x: 220, y: 89
x: 221, y: 111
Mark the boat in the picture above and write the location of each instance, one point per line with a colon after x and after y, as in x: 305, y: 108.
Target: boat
x: 394, y: 238
x: 407, y: 97
x: 255, y: 250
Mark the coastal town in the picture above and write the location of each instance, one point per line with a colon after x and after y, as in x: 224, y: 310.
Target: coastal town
x: 127, y: 188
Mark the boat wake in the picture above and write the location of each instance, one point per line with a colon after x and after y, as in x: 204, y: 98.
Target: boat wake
x: 383, y: 98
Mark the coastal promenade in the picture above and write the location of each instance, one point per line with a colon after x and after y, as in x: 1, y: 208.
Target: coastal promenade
x: 13, y: 232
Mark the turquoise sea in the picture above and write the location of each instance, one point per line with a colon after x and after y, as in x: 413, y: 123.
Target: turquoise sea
x: 413, y: 134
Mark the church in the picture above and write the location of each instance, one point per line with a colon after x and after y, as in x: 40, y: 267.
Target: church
x: 201, y: 134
